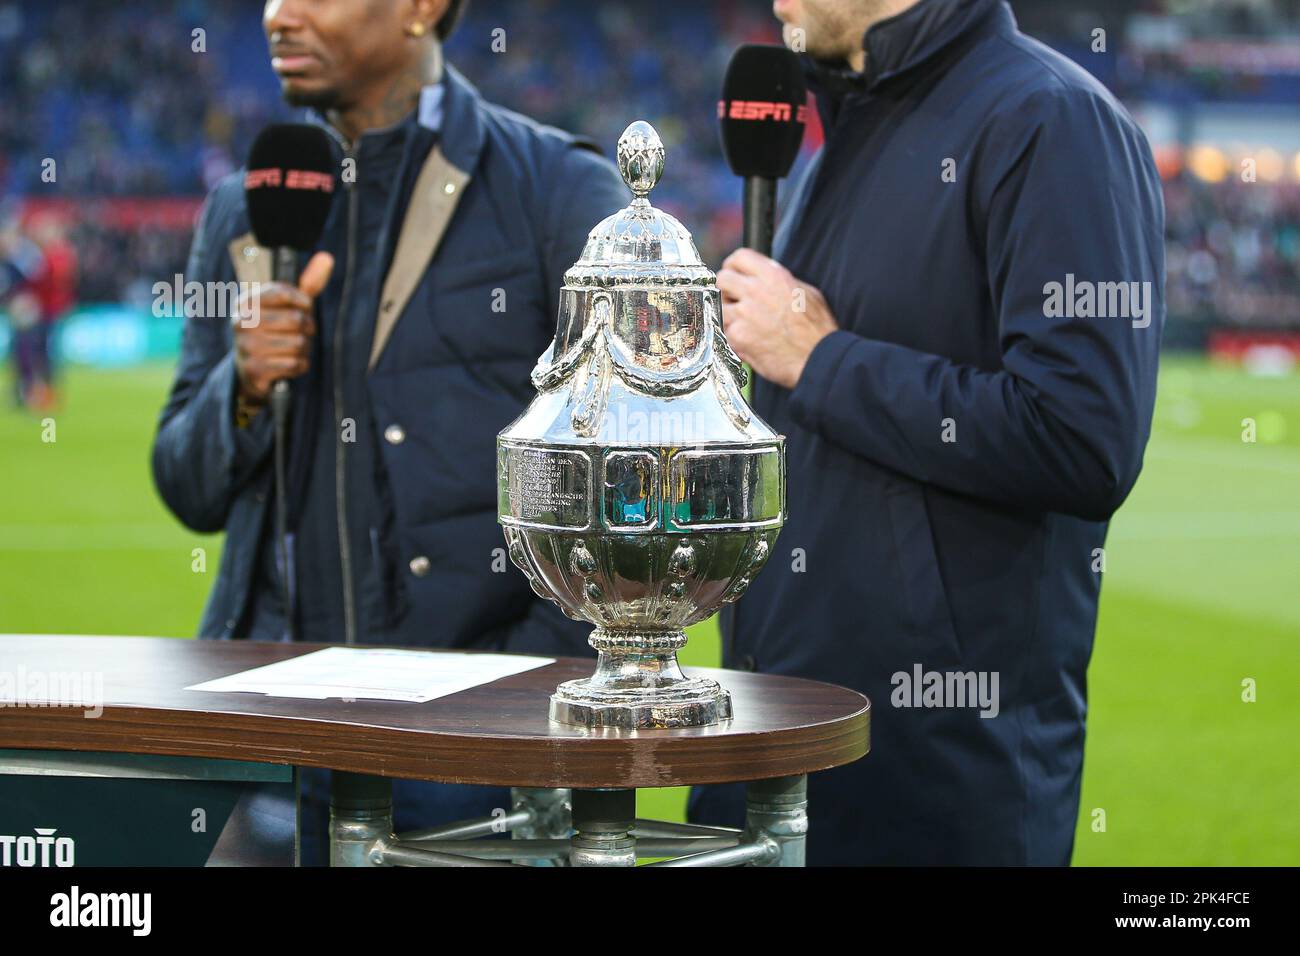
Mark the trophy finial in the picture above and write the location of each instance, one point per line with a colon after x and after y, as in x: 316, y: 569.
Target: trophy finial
x: 640, y: 158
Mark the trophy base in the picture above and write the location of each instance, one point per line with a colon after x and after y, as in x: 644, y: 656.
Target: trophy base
x: 639, y: 686
x: 569, y: 705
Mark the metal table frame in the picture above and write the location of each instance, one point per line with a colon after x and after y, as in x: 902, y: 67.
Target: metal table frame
x: 555, y: 827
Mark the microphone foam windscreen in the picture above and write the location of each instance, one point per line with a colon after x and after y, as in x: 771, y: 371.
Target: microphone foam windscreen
x: 762, y: 110
x: 289, y: 185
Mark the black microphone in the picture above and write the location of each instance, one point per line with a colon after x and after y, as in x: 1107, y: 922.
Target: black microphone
x: 761, y: 115
x: 289, y: 185
x: 288, y: 188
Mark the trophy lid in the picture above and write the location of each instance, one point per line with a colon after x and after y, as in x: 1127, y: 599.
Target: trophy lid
x: 639, y: 335
x: 639, y: 243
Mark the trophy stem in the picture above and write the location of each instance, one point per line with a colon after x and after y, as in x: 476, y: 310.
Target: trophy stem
x: 638, y: 684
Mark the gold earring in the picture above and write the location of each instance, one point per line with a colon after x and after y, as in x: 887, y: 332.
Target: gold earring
x: 416, y: 29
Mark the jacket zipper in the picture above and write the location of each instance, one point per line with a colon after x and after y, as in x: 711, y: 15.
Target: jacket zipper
x: 340, y: 477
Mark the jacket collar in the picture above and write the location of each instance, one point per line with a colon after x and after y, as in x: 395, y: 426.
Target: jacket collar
x: 905, y: 42
x: 462, y: 121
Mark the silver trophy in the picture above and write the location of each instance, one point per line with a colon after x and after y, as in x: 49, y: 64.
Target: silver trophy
x: 639, y: 491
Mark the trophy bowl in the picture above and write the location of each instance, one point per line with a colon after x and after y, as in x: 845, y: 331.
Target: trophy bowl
x: 638, y: 490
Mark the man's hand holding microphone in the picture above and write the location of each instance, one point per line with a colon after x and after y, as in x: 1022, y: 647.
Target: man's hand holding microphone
x: 273, y: 328
x: 772, y: 320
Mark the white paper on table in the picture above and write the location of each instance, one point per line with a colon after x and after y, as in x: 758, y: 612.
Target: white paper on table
x: 354, y: 673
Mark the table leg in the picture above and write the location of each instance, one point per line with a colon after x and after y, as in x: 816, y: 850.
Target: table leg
x: 603, y: 821
x: 550, y: 818
x: 776, y: 826
x: 361, y: 813
x: 778, y: 810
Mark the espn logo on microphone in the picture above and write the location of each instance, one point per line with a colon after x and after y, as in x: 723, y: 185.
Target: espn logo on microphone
x: 761, y: 110
x: 275, y: 178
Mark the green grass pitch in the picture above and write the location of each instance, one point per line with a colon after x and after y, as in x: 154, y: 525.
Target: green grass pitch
x: 1201, y: 593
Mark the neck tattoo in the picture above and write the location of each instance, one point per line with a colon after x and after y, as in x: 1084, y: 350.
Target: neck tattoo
x: 398, y: 99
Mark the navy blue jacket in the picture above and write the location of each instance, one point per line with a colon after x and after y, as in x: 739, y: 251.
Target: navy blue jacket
x: 957, y: 447
x: 418, y: 464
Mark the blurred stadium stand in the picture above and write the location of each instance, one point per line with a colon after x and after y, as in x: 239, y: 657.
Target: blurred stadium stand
x: 141, y: 125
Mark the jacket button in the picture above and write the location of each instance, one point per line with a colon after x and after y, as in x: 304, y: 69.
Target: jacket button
x: 747, y: 663
x: 395, y: 434
x: 420, y: 566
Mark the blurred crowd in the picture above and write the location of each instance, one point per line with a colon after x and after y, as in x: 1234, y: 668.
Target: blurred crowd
x: 160, y: 99
x: 127, y: 98
x: 1232, y: 251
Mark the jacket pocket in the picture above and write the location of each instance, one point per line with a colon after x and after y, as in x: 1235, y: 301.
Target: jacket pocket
x: 485, y: 314
x: 484, y: 271
x: 924, y: 598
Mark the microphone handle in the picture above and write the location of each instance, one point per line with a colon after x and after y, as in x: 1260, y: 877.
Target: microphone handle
x: 284, y: 264
x: 284, y: 268
x: 760, y: 214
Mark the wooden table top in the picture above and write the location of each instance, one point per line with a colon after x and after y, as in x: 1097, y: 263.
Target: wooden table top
x: 496, y: 734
